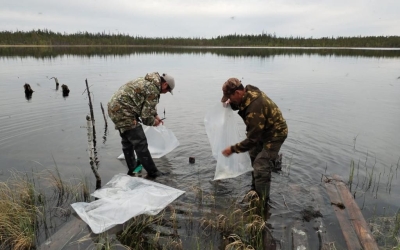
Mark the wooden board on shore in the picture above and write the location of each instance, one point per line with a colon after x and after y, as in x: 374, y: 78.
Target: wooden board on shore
x: 74, y: 228
x: 354, y: 227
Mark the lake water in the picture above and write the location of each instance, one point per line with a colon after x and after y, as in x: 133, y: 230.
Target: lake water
x: 340, y: 106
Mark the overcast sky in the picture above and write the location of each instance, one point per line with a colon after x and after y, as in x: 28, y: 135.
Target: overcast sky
x: 205, y: 18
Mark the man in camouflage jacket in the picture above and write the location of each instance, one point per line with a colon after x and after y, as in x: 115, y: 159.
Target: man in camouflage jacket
x: 266, y: 131
x: 136, y: 102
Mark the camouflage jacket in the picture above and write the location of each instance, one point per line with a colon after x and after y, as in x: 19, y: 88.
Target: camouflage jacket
x: 263, y: 119
x: 137, y: 98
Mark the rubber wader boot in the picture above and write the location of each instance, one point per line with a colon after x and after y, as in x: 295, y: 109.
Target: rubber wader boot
x: 277, y: 164
x: 263, y: 191
x: 263, y: 185
x: 253, y: 183
x: 147, y: 163
x: 156, y: 174
x: 130, y: 160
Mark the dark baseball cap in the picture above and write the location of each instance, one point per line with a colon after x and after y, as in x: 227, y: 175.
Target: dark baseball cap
x: 229, y: 87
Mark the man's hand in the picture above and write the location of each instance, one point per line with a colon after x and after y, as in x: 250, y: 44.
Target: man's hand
x: 227, y: 152
x: 159, y: 120
x: 156, y: 122
x: 225, y: 104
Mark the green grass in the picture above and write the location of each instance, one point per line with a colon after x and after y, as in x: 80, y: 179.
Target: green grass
x: 27, y: 212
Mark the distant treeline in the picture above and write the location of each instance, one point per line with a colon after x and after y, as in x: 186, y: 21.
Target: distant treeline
x: 102, y: 51
x: 46, y: 37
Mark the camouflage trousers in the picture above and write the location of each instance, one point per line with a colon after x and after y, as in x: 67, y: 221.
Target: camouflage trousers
x: 264, y: 158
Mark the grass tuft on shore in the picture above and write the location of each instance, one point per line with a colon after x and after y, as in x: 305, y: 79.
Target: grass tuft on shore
x: 19, y: 213
x: 26, y: 212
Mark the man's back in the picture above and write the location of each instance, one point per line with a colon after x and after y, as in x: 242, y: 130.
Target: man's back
x: 137, y: 98
x: 257, y: 109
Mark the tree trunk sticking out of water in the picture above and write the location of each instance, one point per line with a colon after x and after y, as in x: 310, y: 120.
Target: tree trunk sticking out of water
x: 91, y: 113
x: 104, y: 116
x: 105, y: 124
x: 94, y: 163
x: 93, y: 121
x: 91, y: 151
x: 56, y: 80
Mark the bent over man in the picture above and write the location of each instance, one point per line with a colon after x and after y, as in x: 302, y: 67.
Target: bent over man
x: 266, y: 131
x: 134, y: 103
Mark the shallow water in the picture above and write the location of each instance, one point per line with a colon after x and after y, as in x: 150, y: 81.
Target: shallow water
x: 339, y: 107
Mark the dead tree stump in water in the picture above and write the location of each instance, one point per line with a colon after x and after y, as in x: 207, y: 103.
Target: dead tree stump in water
x: 65, y: 90
x: 28, y: 91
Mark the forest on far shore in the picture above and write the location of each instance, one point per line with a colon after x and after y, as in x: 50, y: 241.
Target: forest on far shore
x: 50, y: 38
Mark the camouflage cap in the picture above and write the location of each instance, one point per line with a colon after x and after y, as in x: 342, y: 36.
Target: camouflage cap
x: 170, y: 80
x: 229, y: 87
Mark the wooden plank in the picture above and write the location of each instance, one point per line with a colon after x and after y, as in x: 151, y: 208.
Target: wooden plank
x: 269, y: 243
x: 299, y: 237
x: 318, y: 203
x: 65, y: 234
x: 349, y: 235
x: 357, y: 219
x: 315, y: 192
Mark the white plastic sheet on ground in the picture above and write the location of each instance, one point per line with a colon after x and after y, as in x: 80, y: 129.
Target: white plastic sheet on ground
x: 122, y: 198
x: 222, y: 131
x: 161, y: 141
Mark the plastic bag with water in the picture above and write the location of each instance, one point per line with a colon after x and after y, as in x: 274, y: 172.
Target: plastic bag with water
x: 161, y: 141
x: 222, y: 131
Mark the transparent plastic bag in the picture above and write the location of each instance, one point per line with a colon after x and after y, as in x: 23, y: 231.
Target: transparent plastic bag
x: 122, y: 198
x: 161, y: 141
x: 222, y: 131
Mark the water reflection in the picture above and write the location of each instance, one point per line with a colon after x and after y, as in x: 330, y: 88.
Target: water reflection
x: 53, y: 52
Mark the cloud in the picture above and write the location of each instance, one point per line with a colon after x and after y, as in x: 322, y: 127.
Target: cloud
x: 178, y: 18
